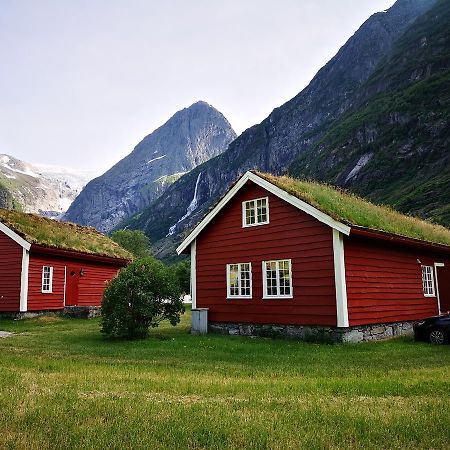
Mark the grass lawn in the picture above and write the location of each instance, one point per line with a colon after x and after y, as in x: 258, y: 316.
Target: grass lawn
x: 62, y: 386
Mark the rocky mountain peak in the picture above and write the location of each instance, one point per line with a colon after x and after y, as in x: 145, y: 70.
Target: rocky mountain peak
x: 190, y: 137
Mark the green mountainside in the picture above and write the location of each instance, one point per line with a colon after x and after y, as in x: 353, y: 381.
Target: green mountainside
x: 288, y: 132
x: 393, y: 145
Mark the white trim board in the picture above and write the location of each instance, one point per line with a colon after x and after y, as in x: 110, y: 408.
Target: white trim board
x: 339, y: 280
x: 438, y: 297
x: 24, y: 281
x: 249, y: 176
x: 14, y: 236
x: 194, y: 274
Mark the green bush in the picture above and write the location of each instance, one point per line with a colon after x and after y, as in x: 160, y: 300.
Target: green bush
x: 140, y: 297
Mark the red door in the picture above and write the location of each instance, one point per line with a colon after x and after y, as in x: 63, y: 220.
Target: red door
x: 443, y: 279
x: 72, y: 280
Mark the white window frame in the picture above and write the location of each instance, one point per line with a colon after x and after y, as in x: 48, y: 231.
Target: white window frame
x: 244, y: 210
x: 278, y: 295
x: 230, y: 296
x: 48, y: 290
x: 429, y: 289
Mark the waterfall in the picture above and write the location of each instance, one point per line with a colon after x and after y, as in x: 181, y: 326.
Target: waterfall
x: 190, y: 209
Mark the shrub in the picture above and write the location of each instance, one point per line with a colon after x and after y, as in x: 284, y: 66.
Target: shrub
x: 140, y: 297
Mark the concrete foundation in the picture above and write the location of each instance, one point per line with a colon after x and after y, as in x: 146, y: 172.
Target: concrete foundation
x: 310, y: 333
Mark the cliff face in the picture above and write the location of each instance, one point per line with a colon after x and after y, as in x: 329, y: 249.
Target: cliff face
x: 191, y: 137
x: 392, y: 146
x: 288, y: 131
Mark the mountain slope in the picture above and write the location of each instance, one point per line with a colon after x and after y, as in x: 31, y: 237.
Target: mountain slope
x: 191, y: 137
x: 393, y: 147
x: 288, y: 131
x: 45, y: 190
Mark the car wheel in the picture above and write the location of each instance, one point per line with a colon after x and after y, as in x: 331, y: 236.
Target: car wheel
x: 437, y: 336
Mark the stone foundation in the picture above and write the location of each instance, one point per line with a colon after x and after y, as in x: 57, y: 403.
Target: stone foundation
x: 311, y: 333
x: 82, y: 312
x: 74, y: 312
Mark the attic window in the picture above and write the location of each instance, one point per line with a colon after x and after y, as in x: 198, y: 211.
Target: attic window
x: 428, y: 281
x: 47, y: 279
x: 255, y: 212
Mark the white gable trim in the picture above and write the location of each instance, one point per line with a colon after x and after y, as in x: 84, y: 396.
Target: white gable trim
x: 249, y: 176
x: 24, y: 280
x: 14, y: 236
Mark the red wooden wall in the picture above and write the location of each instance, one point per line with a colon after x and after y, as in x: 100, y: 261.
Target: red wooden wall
x: 384, y: 282
x: 10, y: 274
x: 90, y: 288
x: 291, y: 234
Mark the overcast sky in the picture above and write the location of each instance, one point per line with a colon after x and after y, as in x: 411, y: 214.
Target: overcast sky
x: 82, y: 82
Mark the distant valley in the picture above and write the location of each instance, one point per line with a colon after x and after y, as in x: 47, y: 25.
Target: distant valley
x: 36, y: 188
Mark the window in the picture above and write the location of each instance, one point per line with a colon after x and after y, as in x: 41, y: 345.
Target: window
x: 428, y: 281
x: 255, y: 212
x: 239, y: 280
x: 277, y: 279
x: 47, y: 279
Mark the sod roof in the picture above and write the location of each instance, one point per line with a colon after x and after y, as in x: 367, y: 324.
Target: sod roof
x: 61, y: 235
x: 350, y: 209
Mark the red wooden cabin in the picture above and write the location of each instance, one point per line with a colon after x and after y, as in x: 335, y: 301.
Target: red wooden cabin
x: 265, y: 260
x: 47, y: 265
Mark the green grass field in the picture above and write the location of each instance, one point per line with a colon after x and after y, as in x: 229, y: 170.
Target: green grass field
x: 62, y: 386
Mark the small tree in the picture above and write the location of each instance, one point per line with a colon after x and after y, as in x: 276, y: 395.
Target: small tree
x: 141, y: 296
x: 182, y: 271
x: 135, y: 241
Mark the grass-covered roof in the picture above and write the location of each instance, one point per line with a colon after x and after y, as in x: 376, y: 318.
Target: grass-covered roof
x: 353, y: 210
x: 61, y: 235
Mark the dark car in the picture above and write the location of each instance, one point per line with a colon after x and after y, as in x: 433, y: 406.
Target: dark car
x: 434, y: 329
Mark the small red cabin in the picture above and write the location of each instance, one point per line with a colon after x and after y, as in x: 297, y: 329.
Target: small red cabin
x: 48, y: 265
x: 282, y: 256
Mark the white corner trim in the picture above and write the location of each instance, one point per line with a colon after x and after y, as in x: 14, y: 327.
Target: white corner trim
x: 24, y: 281
x: 14, y: 236
x: 339, y: 279
x: 65, y: 285
x: 319, y: 215
x: 438, y: 297
x: 194, y: 274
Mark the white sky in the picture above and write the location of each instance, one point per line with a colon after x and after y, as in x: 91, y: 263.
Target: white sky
x: 82, y: 82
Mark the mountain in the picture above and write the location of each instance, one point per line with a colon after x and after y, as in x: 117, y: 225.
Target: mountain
x: 393, y: 145
x: 286, y: 133
x: 189, y: 138
x: 42, y: 189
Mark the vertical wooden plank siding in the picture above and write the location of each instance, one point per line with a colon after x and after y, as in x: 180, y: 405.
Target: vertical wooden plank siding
x: 384, y: 282
x: 91, y: 284
x: 291, y: 234
x: 10, y: 274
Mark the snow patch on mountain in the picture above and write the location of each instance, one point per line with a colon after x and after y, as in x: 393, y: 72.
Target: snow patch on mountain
x: 39, y: 188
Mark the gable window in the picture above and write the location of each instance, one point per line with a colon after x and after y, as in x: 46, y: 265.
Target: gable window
x: 277, y: 279
x: 428, y: 281
x: 239, y: 280
x: 255, y: 212
x: 47, y: 279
